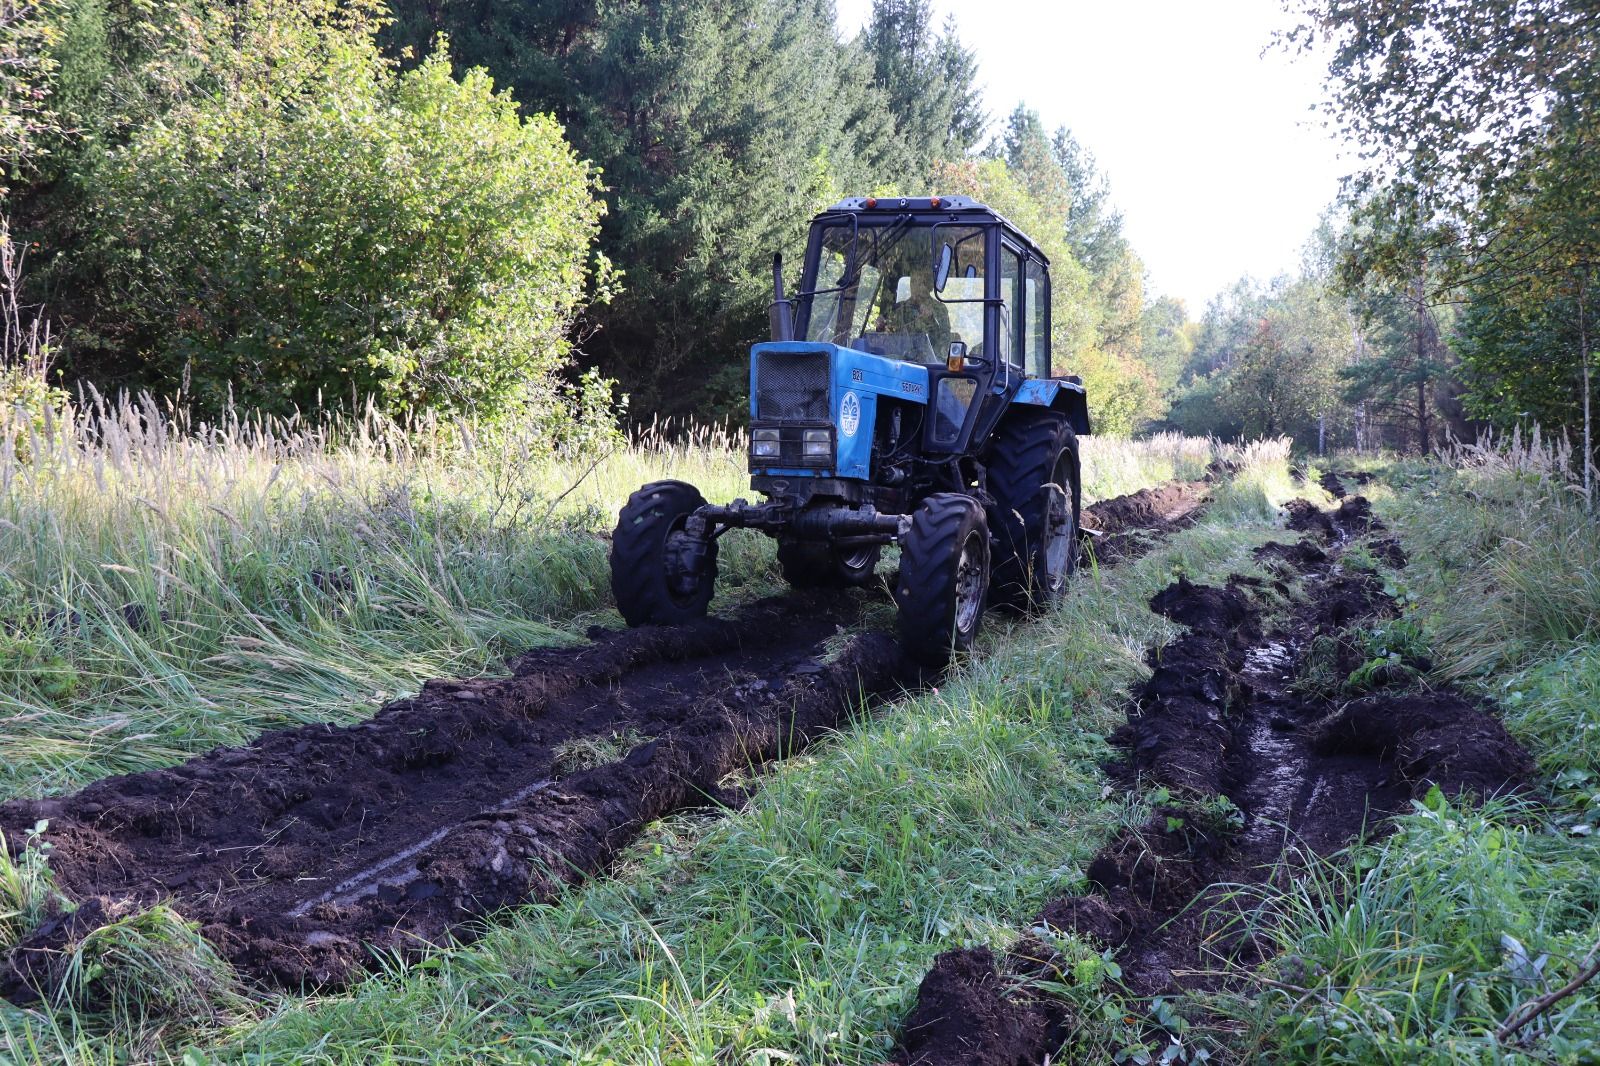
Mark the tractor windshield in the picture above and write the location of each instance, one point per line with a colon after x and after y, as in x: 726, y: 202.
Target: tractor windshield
x: 889, y: 307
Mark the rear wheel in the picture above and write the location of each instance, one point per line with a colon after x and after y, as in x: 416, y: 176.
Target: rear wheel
x: 1033, y: 476
x: 807, y: 565
x: 651, y: 576
x: 944, y: 578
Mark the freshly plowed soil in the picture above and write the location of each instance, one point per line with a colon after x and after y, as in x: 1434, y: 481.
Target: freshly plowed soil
x: 1220, y: 715
x: 966, y: 1016
x: 303, y: 853
x: 302, y: 850
x: 1128, y: 525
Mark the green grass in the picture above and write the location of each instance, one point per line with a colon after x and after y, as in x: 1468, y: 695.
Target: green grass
x: 1415, y: 950
x: 794, y: 930
x: 798, y: 929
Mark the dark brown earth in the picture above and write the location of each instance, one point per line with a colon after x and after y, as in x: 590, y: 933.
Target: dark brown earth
x: 300, y: 851
x: 1220, y: 716
x: 1128, y: 525
x: 307, y: 852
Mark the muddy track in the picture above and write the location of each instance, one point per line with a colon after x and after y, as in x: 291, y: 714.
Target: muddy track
x: 303, y: 853
x: 1221, y: 715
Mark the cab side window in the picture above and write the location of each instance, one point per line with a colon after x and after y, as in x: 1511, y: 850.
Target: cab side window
x: 1010, y: 306
x: 1036, y: 312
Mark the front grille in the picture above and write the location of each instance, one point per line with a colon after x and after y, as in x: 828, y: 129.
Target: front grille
x: 792, y: 386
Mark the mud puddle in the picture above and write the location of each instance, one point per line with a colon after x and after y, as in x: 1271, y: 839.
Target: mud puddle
x: 1228, y: 711
x: 306, y: 852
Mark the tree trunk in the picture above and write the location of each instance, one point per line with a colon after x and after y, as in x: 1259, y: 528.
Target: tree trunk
x: 1424, y: 436
x: 1588, y: 422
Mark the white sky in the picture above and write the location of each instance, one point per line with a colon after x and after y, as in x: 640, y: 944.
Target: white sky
x: 1210, y: 143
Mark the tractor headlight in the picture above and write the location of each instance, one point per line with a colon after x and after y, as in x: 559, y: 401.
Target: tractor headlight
x: 818, y: 443
x: 764, y: 443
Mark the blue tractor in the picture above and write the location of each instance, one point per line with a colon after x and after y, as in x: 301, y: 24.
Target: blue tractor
x: 905, y: 398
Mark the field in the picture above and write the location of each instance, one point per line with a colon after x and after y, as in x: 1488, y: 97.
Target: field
x: 769, y: 837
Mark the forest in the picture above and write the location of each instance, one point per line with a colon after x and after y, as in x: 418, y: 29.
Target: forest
x: 618, y: 175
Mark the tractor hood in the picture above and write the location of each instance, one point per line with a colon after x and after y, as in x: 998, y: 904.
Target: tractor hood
x: 796, y: 386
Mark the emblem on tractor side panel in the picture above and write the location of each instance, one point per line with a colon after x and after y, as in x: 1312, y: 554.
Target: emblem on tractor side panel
x: 849, y: 414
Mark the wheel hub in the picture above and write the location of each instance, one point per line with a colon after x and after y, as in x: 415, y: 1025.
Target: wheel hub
x: 969, y: 584
x: 683, y: 558
x: 1058, y: 537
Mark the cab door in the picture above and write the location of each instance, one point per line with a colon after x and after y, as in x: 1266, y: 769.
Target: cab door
x: 966, y: 406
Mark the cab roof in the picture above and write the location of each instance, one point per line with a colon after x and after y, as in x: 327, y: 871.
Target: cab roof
x: 935, y: 209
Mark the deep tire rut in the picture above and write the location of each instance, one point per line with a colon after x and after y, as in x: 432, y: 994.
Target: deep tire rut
x: 306, y: 853
x: 1221, y: 715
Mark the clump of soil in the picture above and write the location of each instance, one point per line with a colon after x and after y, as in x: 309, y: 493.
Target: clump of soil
x: 1334, y: 481
x: 1431, y: 738
x: 1220, y: 716
x: 37, y: 963
x: 964, y: 1016
x: 1302, y: 555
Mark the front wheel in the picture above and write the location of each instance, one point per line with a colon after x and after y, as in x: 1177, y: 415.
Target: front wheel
x: 653, y: 577
x: 944, y: 578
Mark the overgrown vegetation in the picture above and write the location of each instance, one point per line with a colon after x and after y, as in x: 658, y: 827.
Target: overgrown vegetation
x: 169, y: 586
x: 800, y: 925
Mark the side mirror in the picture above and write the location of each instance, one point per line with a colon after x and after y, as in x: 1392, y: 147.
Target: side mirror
x: 971, y: 271
x: 956, y: 361
x: 941, y: 273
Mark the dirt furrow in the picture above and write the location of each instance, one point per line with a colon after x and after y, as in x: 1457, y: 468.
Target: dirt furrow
x: 303, y: 853
x: 1227, y: 711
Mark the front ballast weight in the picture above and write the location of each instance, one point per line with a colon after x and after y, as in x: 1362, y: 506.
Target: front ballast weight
x: 664, y: 558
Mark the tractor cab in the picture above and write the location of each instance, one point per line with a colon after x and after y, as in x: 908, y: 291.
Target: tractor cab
x: 908, y: 278
x: 917, y: 323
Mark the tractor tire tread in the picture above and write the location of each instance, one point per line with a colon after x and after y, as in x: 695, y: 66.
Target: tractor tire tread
x: 638, y: 570
x: 1023, y: 454
x: 925, y: 587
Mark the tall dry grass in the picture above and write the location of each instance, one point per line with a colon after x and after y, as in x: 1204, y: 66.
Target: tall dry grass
x: 168, y: 585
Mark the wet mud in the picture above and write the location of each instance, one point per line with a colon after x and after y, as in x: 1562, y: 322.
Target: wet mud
x: 307, y: 854
x: 1226, y: 712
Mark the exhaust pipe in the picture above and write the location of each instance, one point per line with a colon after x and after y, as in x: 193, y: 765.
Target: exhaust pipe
x: 782, y: 311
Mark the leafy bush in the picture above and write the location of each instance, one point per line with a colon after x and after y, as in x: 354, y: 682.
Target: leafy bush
x: 324, y: 227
